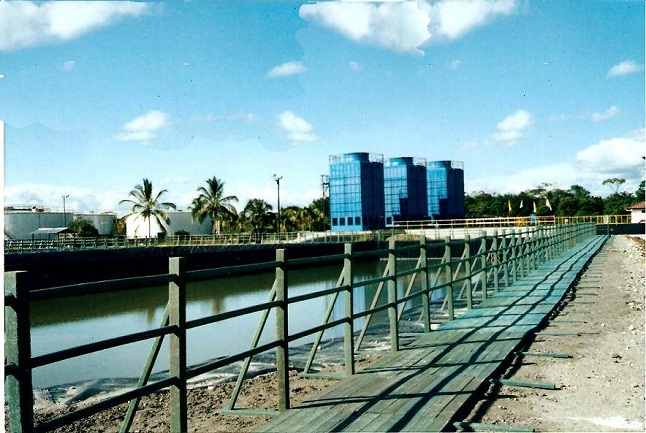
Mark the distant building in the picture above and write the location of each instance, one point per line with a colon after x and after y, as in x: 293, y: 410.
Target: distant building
x: 637, y: 212
x: 137, y: 227
x: 366, y: 193
x: 102, y: 221
x: 445, y: 183
x: 356, y: 192
x: 405, y: 190
x: 25, y: 221
x: 21, y: 221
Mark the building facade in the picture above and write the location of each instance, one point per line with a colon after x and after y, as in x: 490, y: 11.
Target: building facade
x: 445, y: 184
x: 367, y: 193
x: 405, y: 190
x: 356, y: 187
x: 20, y: 222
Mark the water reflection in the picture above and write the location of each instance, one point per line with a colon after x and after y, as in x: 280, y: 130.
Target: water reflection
x: 64, y: 323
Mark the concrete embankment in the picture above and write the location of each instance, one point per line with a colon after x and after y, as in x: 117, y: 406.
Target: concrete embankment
x: 56, y: 268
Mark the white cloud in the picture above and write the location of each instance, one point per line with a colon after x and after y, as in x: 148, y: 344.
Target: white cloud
x: 286, y: 69
x: 451, y: 19
x: 615, y: 157
x: 400, y: 26
x: 624, y: 68
x: 455, y: 64
x: 1, y: 76
x: 27, y: 24
x: 605, y: 115
x: 49, y: 196
x: 512, y: 128
x: 144, y: 128
x: 619, y: 157
x: 355, y: 66
x: 69, y: 65
x: 297, y: 129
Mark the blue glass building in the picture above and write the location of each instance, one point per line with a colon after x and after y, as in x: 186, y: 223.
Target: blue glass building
x: 356, y: 192
x: 405, y: 190
x: 445, y: 183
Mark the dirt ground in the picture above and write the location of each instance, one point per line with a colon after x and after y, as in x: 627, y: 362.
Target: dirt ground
x: 600, y: 388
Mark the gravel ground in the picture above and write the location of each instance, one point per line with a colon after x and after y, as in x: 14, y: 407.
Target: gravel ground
x: 601, y: 387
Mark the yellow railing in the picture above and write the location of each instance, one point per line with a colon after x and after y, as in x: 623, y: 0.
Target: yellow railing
x: 512, y: 221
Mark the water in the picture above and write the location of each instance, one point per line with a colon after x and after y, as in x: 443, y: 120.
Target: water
x: 65, y: 323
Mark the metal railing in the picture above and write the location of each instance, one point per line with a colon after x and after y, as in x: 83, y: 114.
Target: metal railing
x: 483, y: 264
x: 510, y: 222
x: 433, y: 229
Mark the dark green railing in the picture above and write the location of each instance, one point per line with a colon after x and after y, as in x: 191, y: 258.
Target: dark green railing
x: 468, y: 270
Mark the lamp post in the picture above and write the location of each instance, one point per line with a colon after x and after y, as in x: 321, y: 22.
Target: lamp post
x: 64, y: 196
x: 277, y: 179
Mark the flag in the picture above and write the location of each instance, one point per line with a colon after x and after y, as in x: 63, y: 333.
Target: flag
x: 534, y: 207
x: 521, y: 204
x: 547, y: 203
x: 509, y: 205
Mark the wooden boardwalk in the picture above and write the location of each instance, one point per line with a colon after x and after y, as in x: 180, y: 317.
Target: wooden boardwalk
x: 423, y: 386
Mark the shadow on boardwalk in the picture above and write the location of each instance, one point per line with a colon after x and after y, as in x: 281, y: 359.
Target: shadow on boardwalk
x: 423, y: 386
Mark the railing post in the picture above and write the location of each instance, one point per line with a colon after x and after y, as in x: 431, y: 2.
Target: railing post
x: 426, y: 305
x: 496, y: 266
x: 19, y: 391
x: 468, y: 269
x: 514, y: 255
x: 523, y: 252
x: 392, y: 295
x: 448, y: 276
x: 348, y: 327
x: 483, y: 261
x: 282, y: 331
x: 177, y: 319
x: 505, y: 257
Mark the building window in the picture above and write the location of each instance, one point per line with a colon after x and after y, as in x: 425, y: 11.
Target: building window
x: 357, y: 221
x: 342, y: 221
x: 335, y: 221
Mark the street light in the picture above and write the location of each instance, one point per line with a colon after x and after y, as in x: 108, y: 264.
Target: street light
x: 277, y: 179
x: 64, y: 196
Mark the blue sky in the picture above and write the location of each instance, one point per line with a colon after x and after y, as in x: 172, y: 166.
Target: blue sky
x: 96, y: 96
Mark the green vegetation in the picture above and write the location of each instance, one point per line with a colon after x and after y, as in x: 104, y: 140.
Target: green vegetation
x: 213, y: 203
x: 147, y: 205
x: 83, y: 228
x: 258, y: 216
x: 576, y: 201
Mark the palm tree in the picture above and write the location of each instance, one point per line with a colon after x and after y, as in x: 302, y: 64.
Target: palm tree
x: 213, y: 203
x: 147, y: 205
x: 257, y: 214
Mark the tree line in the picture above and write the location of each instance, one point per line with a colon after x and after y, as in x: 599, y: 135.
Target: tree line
x: 257, y: 216
x: 545, y: 200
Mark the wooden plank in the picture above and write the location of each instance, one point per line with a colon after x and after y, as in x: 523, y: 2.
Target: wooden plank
x: 423, y: 386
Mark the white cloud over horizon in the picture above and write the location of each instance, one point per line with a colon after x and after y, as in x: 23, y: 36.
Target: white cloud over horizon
x: 511, y: 129
x: 624, y: 68
x: 144, y: 128
x: 25, y: 24
x: 287, y: 69
x: 619, y: 157
x: 297, y: 129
